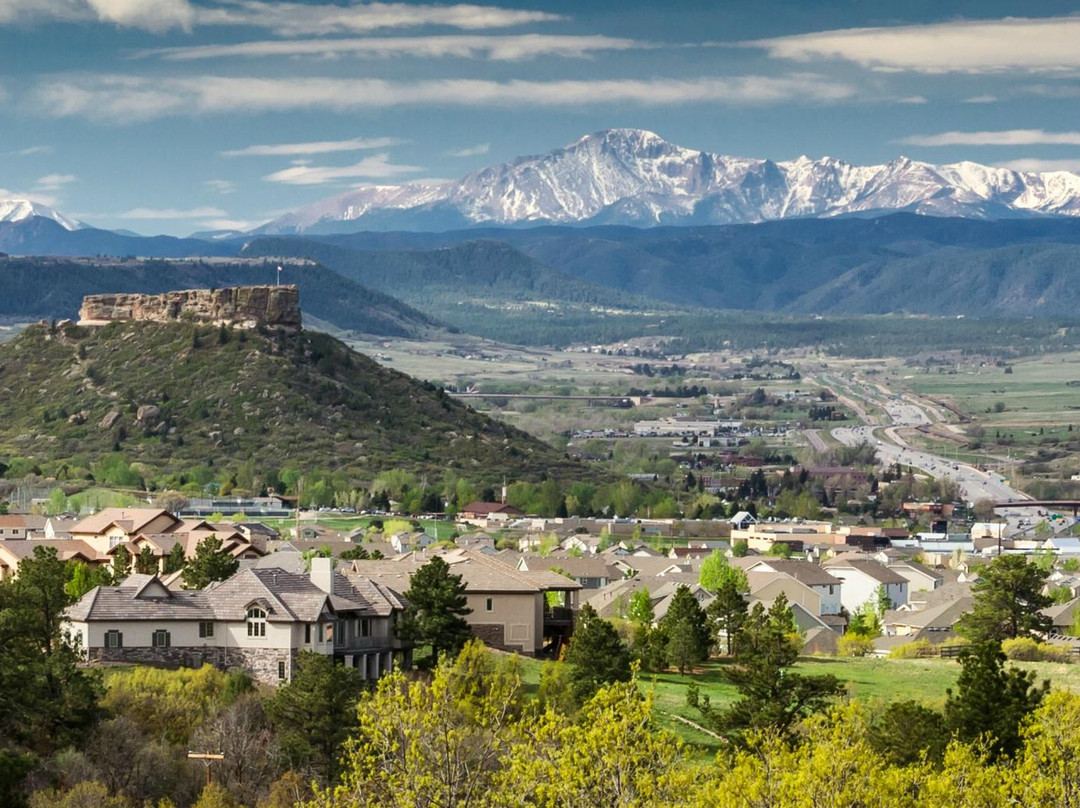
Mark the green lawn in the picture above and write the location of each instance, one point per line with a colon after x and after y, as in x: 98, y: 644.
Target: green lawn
x: 868, y: 679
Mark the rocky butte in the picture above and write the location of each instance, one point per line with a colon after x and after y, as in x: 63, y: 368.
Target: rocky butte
x: 239, y: 306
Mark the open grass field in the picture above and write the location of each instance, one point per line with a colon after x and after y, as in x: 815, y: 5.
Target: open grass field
x: 868, y: 679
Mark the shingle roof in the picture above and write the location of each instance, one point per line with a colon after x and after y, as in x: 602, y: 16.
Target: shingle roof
x: 802, y: 571
x: 131, y: 519
x: 135, y: 599
x: 874, y: 569
x: 480, y: 573
x: 65, y: 548
x: 937, y: 617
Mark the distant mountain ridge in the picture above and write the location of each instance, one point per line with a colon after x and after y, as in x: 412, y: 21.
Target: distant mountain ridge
x: 635, y: 177
x: 19, y: 210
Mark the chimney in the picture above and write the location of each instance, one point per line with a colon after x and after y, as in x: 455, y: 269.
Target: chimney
x: 322, y: 574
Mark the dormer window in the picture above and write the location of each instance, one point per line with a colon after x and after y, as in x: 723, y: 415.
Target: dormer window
x: 256, y: 622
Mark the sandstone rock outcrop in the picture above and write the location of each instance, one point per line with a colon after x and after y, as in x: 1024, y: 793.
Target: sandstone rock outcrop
x: 239, y: 306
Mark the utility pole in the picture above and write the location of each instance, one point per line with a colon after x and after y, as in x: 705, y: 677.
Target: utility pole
x: 207, y: 758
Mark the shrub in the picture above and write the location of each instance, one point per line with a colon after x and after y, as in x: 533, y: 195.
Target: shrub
x: 913, y: 650
x: 1025, y: 649
x: 851, y: 645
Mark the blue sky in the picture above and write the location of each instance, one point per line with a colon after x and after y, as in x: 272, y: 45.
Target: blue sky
x: 172, y: 116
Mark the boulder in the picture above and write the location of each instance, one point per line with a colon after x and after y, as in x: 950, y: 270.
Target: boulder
x: 109, y: 420
x: 148, y: 414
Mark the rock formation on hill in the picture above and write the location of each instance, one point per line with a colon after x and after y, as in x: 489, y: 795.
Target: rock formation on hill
x: 241, y: 306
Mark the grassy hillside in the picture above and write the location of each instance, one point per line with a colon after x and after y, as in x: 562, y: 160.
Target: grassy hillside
x: 50, y: 288
x: 231, y: 399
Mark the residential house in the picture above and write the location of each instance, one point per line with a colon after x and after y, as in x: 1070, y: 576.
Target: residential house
x: 936, y: 624
x: 827, y: 586
x: 920, y: 578
x: 259, y: 620
x: 1063, y: 616
x: 112, y: 526
x: 742, y: 520
x: 19, y: 526
x: 591, y: 572
x: 406, y: 542
x: 489, y: 512
x: 13, y: 552
x: 510, y: 608
x: 862, y: 580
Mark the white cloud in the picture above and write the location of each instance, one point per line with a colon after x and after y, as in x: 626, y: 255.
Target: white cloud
x: 29, y: 11
x: 377, y: 166
x: 1010, y: 44
x: 981, y: 99
x: 912, y: 99
x: 54, y: 182
x: 116, y: 98
x: 302, y: 19
x: 29, y: 151
x: 221, y: 186
x: 34, y: 196
x: 496, y: 48
x: 173, y: 213
x: 230, y: 224
x: 1037, y: 165
x: 1006, y: 137
x: 471, y: 151
x: 151, y: 15
x: 315, y: 147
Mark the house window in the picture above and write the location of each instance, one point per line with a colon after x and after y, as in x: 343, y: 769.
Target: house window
x: 307, y: 633
x: 365, y: 627
x: 206, y: 629
x: 281, y: 669
x: 114, y: 639
x: 490, y: 605
x: 321, y: 632
x: 256, y: 622
x: 160, y: 638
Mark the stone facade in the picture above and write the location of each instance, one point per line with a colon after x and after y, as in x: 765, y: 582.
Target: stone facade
x: 261, y: 664
x: 240, y: 306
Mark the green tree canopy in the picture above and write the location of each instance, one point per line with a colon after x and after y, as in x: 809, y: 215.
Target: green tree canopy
x: 211, y: 563
x: 715, y: 570
x: 687, y: 630
x: 729, y: 611
x: 436, y: 612
x: 596, y: 653
x: 1008, y: 602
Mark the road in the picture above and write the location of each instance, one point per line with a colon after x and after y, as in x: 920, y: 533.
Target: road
x: 902, y: 412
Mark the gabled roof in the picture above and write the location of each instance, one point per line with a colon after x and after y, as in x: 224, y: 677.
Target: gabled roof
x: 802, y: 571
x: 65, y: 548
x: 939, y: 617
x: 290, y: 596
x: 487, y: 508
x: 874, y: 569
x: 920, y: 568
x: 140, y: 597
x: 131, y: 520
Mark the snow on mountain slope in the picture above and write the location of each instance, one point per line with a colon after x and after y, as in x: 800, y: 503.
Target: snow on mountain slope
x: 17, y: 210
x: 634, y: 177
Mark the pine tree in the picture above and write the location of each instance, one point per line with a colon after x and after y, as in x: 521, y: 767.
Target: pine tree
x: 687, y: 630
x: 1008, y: 602
x: 121, y: 563
x: 210, y: 564
x: 728, y: 613
x: 437, y: 608
x: 596, y: 653
x: 146, y: 562
x: 991, y: 699
x: 175, y: 560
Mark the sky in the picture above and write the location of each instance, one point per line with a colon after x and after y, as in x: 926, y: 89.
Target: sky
x: 180, y: 116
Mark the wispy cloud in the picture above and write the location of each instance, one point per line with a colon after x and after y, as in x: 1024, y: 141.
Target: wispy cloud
x: 912, y: 99
x: 118, y: 98
x: 314, y: 147
x: 29, y: 151
x: 1038, y: 165
x: 221, y: 186
x: 980, y: 99
x: 284, y: 19
x: 33, y: 196
x: 54, y: 182
x: 1006, y: 137
x: 173, y: 213
x: 496, y: 48
x: 302, y: 19
x: 471, y: 151
x: 230, y: 224
x: 1010, y: 44
x: 377, y: 166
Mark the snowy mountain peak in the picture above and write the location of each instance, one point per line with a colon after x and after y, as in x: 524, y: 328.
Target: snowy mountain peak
x: 17, y: 210
x: 635, y: 177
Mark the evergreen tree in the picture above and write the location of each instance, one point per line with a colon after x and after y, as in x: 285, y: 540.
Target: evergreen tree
x: 596, y: 653
x: 1008, y: 602
x: 728, y: 612
x: 175, y: 560
x: 121, y: 563
x: 687, y: 630
x: 437, y: 608
x: 146, y: 562
x: 991, y: 699
x: 210, y: 564
x: 315, y: 713
x: 771, y: 696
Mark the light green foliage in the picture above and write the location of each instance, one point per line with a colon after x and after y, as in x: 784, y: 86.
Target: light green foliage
x: 641, y: 608
x: 912, y: 650
x: 1027, y: 649
x: 89, y: 794
x: 215, y: 795
x: 84, y: 578
x: 715, y: 571
x: 854, y: 645
x: 166, y: 703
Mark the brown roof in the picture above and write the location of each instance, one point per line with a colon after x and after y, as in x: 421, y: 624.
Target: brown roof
x: 876, y: 570
x: 132, y: 520
x: 802, y: 571
x: 483, y: 508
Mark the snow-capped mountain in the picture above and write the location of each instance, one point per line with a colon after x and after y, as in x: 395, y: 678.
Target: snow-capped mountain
x: 634, y: 177
x: 18, y: 210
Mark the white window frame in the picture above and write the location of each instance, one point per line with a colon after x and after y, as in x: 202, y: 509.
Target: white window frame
x: 256, y: 621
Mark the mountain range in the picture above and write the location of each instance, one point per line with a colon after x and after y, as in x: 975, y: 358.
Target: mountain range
x: 635, y: 177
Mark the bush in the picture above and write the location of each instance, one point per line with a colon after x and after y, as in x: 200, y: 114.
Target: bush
x: 1025, y: 649
x: 913, y: 650
x: 851, y: 645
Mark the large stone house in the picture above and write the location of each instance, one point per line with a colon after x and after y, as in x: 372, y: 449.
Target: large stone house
x: 258, y: 620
